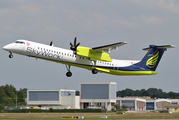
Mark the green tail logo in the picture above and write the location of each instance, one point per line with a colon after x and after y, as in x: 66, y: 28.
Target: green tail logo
x: 151, y: 62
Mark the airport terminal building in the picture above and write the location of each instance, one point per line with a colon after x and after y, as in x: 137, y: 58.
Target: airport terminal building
x: 132, y: 103
x: 62, y: 97
x: 98, y: 94
x: 92, y: 95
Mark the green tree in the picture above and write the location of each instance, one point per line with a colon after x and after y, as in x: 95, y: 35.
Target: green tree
x: 25, y: 91
x: 129, y: 92
x: 8, y: 96
x: 21, y: 96
x: 137, y: 93
x: 2, y: 95
x: 171, y: 94
x: 11, y: 94
x: 10, y: 90
x: 124, y: 107
x: 116, y: 106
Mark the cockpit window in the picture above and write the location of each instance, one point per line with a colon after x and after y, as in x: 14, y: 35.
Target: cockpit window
x: 19, y: 42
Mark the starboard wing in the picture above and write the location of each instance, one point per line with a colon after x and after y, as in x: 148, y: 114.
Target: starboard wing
x: 98, y: 53
x: 107, y: 48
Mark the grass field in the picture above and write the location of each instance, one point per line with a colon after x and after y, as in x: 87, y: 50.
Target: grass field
x: 87, y: 116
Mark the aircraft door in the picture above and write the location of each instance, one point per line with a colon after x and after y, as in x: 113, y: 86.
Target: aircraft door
x: 115, y: 66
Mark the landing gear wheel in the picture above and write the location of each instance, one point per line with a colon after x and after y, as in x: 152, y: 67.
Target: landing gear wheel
x: 68, y: 74
x: 10, y: 56
x: 94, y: 71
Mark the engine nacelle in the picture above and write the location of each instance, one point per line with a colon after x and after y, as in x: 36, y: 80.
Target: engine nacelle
x: 92, y: 54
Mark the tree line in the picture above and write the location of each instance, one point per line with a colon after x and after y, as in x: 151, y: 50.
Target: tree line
x: 9, y: 96
x: 151, y: 92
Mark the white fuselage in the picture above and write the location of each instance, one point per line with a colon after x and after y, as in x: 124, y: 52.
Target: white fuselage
x: 55, y: 54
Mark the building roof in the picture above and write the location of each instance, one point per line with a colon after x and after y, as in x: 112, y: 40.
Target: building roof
x: 171, y: 105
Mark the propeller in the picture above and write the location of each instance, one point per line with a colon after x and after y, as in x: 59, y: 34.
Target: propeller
x: 74, y: 46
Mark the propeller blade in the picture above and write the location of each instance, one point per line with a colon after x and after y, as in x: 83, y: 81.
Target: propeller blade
x: 71, y: 44
x: 75, y: 41
x: 77, y: 44
x: 51, y: 43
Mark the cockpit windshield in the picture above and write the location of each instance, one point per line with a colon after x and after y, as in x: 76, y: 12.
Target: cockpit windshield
x: 19, y: 42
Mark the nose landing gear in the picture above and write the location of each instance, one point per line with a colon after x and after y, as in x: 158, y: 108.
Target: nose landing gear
x: 10, y: 55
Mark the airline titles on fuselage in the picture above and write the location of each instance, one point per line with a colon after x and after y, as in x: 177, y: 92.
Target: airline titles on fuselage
x: 43, y: 52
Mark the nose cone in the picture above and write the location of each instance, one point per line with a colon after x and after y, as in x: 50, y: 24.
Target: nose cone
x: 7, y: 47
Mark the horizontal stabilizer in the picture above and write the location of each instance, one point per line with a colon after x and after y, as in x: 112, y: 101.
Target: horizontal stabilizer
x: 159, y: 47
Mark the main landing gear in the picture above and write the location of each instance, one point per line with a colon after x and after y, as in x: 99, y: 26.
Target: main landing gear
x: 68, y: 74
x: 94, y: 71
x: 10, y: 55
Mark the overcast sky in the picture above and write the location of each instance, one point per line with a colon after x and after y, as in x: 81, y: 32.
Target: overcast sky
x: 94, y: 23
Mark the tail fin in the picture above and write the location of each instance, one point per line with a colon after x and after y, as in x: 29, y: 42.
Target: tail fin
x: 152, y: 58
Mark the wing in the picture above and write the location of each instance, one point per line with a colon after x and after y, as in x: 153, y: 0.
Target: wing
x: 98, y: 53
x: 107, y: 48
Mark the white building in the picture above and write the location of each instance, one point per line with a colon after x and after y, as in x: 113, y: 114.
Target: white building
x: 156, y: 104
x: 175, y: 101
x: 135, y: 103
x: 132, y: 103
x: 60, y: 97
x: 98, y: 94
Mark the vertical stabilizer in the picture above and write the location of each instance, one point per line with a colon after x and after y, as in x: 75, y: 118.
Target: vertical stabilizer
x: 152, y: 58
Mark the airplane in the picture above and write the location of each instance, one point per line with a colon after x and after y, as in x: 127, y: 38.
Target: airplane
x: 96, y: 59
